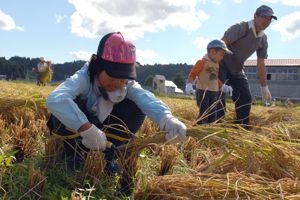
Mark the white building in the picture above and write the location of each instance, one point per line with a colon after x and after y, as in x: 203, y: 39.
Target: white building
x: 162, y: 85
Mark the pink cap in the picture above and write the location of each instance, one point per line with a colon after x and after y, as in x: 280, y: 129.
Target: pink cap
x: 118, y: 55
x: 119, y: 48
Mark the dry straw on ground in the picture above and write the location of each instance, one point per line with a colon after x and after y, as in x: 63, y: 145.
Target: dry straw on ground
x: 167, y: 159
x: 36, y: 180
x: 94, y: 167
x: 220, y: 161
x: 53, y: 149
x: 74, y: 197
x: 217, y: 186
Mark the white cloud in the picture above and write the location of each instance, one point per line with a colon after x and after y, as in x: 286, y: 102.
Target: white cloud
x: 6, y: 22
x: 271, y: 1
x: 201, y: 43
x: 285, y: 2
x: 20, y: 28
x: 218, y: 2
x: 291, y: 2
x: 147, y: 54
x: 59, y: 18
x: 94, y: 18
x: 81, y: 55
x: 288, y: 26
x: 238, y: 1
x: 202, y: 15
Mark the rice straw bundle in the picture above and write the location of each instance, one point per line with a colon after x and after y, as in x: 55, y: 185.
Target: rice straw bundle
x: 129, y: 166
x: 35, y: 71
x: 273, y: 158
x: 47, y: 74
x: 94, y: 167
x: 189, y: 149
x: 229, y: 186
x: 148, y: 127
x: 22, y: 140
x: 37, y: 181
x: 53, y: 148
x: 167, y: 159
x: 15, y: 108
x: 257, y: 152
x: 2, y: 126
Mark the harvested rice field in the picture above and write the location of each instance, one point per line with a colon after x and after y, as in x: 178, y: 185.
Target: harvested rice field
x: 220, y: 161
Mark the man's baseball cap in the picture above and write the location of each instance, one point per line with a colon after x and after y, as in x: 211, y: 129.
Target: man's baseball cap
x: 42, y: 58
x: 118, y: 55
x: 265, y: 10
x: 218, y: 44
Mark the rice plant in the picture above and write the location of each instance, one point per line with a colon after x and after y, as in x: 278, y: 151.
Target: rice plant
x: 220, y: 161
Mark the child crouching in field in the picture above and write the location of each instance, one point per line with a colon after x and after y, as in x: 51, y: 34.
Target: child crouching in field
x: 103, y: 92
x: 206, y: 69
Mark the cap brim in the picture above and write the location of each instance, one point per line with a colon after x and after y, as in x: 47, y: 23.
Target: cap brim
x: 269, y: 15
x: 119, y: 70
x: 274, y: 17
x: 227, y: 51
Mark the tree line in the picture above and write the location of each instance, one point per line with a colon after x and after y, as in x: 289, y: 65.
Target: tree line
x: 21, y: 67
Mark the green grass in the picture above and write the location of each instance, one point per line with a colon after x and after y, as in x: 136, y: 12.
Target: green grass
x: 220, y: 151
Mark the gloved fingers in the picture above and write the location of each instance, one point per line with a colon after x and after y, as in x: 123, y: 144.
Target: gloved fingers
x: 170, y: 135
x: 93, y: 138
x: 269, y: 98
x: 178, y: 139
x: 85, y: 143
x: 174, y: 137
x: 97, y: 144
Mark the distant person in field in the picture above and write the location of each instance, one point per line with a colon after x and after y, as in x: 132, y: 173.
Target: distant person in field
x: 288, y: 103
x: 274, y: 103
x: 104, y: 93
x: 41, y: 67
x: 254, y: 100
x: 208, y: 86
x: 243, y: 39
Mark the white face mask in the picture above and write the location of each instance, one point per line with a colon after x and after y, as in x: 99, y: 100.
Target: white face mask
x: 103, y: 107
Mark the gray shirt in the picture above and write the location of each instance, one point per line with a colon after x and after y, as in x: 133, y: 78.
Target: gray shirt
x: 243, y: 42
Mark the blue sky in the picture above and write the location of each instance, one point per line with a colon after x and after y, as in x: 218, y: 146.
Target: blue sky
x: 164, y: 31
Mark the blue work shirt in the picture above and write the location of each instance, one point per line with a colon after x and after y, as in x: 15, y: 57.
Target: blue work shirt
x: 60, y: 102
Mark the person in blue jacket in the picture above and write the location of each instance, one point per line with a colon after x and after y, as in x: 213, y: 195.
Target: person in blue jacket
x: 96, y: 104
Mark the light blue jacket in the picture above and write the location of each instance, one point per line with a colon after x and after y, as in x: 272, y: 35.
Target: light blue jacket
x: 61, y: 105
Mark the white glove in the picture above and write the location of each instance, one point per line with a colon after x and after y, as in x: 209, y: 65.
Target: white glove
x: 188, y: 88
x: 93, y: 138
x: 177, y: 130
x: 226, y: 88
x: 266, y: 94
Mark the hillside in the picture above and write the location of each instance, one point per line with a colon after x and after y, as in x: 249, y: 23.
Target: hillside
x: 22, y: 67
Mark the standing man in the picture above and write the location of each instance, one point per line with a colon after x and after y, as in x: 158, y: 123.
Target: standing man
x: 41, y: 66
x: 243, y: 39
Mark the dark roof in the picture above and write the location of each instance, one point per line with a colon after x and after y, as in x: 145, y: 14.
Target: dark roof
x: 160, y: 77
x: 275, y: 62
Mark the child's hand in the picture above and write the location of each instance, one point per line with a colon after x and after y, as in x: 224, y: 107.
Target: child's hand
x: 226, y: 88
x: 93, y: 138
x: 188, y: 88
x: 177, y: 131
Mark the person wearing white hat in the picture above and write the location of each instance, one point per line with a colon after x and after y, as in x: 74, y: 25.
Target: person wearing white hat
x: 41, y: 66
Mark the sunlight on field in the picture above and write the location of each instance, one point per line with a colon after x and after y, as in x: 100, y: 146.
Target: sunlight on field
x: 220, y: 161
